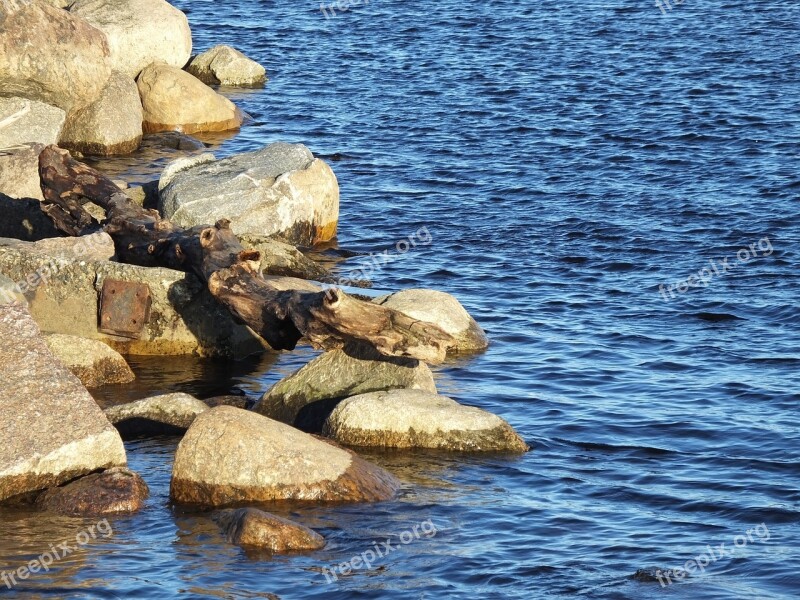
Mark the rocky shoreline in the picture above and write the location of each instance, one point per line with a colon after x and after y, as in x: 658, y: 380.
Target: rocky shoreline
x: 116, y: 72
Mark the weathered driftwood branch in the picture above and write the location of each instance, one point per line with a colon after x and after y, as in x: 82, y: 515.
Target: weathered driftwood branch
x: 329, y: 319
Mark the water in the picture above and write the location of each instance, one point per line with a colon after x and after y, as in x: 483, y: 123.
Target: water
x: 568, y: 158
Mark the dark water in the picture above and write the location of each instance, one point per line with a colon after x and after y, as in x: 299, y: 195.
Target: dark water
x: 568, y: 158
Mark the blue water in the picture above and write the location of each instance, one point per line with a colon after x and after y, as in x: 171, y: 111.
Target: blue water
x: 568, y: 159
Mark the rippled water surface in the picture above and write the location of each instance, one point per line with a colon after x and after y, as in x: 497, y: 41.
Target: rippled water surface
x: 568, y: 158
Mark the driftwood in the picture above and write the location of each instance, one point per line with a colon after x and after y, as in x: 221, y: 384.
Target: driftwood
x: 328, y: 319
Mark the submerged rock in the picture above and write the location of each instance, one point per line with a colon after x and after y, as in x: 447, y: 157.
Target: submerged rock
x: 64, y: 297
x: 139, y: 32
x: 19, y: 175
x: 112, y: 124
x: 53, y: 431
x: 91, y: 361
x: 253, y: 528
x: 23, y: 121
x: 164, y: 414
x: 232, y: 456
x: 281, y: 189
x: 50, y: 55
x: 307, y: 397
x: 174, y: 100
x: 417, y: 419
x: 443, y: 310
x: 114, y: 491
x: 227, y: 66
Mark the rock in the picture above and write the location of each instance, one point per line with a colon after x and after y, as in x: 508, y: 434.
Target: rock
x: 53, y: 431
x: 174, y: 100
x: 168, y: 414
x: 23, y: 120
x: 50, y: 55
x: 230, y: 456
x: 443, y: 310
x: 91, y: 361
x: 281, y: 189
x: 242, y: 402
x: 9, y: 293
x: 253, y: 528
x: 23, y: 218
x: 227, y: 66
x: 112, y: 124
x: 19, y: 173
x: 97, y: 246
x: 284, y: 260
x: 184, y: 317
x: 113, y: 492
x: 307, y: 397
x: 418, y: 419
x: 140, y: 32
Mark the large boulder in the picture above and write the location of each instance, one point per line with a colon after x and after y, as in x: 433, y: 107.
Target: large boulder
x: 112, y: 124
x: 307, y: 397
x: 115, y: 491
x: 174, y: 100
x: 64, y: 297
x: 91, y: 361
x: 164, y: 414
x: 233, y: 456
x: 19, y: 174
x: 53, y: 430
x: 140, y: 32
x: 281, y: 189
x: 253, y: 528
x: 227, y: 66
x: 50, y: 55
x: 23, y: 120
x: 417, y: 419
x: 441, y: 309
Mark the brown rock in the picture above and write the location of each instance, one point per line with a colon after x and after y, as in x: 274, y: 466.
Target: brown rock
x: 49, y: 55
x: 91, y: 361
x: 114, y: 491
x: 232, y: 456
x: 174, y: 100
x: 253, y: 528
x: 52, y: 429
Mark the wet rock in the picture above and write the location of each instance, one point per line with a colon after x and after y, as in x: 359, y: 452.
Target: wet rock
x: 112, y: 124
x: 91, y: 361
x: 232, y: 456
x: 23, y: 121
x: 227, y: 66
x: 114, y: 491
x: 242, y: 402
x: 417, y: 419
x: 443, y: 310
x: 174, y: 100
x: 281, y: 189
x: 284, y: 260
x: 174, y: 140
x: 140, y: 32
x: 52, y: 56
x: 167, y: 414
x: 19, y: 173
x: 52, y: 429
x: 253, y: 528
x: 307, y: 397
x: 64, y: 297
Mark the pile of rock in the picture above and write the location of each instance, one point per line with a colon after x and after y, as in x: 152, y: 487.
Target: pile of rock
x: 114, y: 72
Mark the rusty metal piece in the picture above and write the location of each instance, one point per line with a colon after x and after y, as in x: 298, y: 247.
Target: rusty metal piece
x: 124, y: 308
